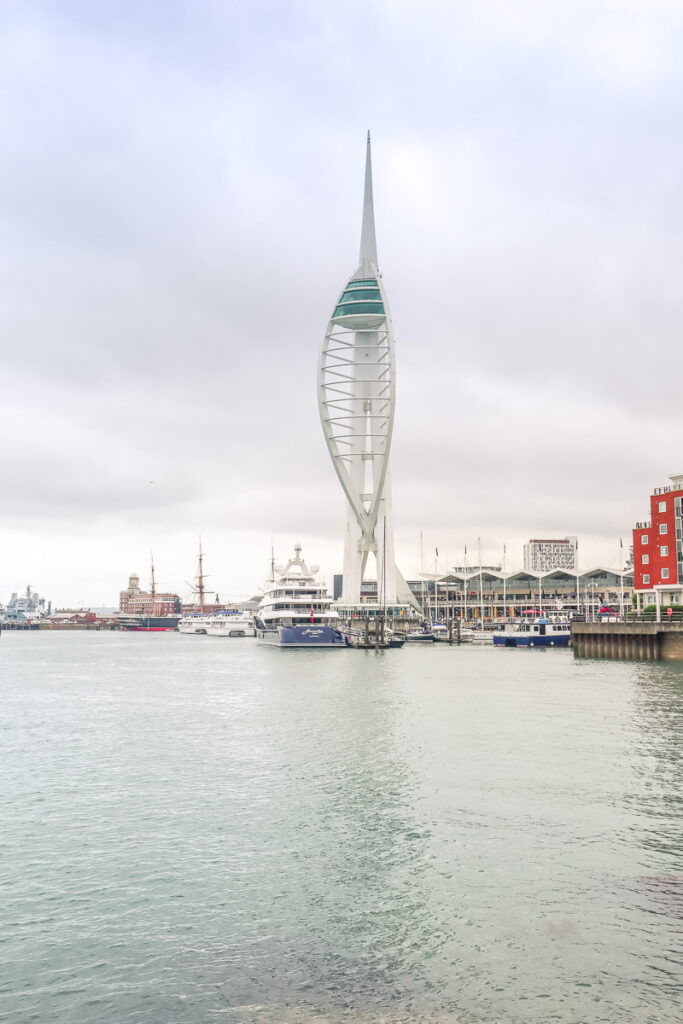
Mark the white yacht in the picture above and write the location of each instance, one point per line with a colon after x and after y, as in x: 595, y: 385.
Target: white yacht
x: 227, y: 623
x: 195, y: 622
x: 296, y: 610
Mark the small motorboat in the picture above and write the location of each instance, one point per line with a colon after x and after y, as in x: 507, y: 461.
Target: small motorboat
x: 539, y: 632
x: 424, y: 635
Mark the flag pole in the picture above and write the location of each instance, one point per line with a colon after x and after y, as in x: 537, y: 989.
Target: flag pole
x: 505, y: 612
x: 621, y: 577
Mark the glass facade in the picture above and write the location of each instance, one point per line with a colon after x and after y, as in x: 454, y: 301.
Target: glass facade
x: 360, y: 297
x: 350, y: 308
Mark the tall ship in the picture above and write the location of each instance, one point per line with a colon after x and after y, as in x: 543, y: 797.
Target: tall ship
x: 146, y: 611
x: 296, y: 610
x: 200, y: 618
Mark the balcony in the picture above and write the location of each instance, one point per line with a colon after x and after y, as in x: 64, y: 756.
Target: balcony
x: 643, y: 526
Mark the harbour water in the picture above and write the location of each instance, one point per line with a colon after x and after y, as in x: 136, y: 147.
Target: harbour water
x: 198, y: 829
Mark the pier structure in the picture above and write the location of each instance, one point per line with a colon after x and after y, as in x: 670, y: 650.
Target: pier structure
x: 639, y: 641
x: 356, y: 402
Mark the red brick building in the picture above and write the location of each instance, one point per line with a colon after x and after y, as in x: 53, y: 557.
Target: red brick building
x: 658, y: 545
x: 134, y: 601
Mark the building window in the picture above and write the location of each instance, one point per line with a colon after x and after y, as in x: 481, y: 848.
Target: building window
x: 645, y: 539
x: 646, y: 579
x: 664, y: 550
x: 665, y: 574
x: 662, y: 506
x: 663, y: 528
x: 646, y: 559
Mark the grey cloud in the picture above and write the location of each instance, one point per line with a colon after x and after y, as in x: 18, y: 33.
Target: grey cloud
x: 181, y: 203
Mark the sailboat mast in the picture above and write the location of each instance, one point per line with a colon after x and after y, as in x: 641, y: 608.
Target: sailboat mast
x: 384, y: 570
x: 481, y: 587
x: 505, y: 596
x: 422, y: 574
x: 154, y: 588
x: 436, y: 584
x: 466, y: 584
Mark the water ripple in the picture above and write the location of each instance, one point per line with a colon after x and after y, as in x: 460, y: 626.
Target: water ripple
x: 196, y: 832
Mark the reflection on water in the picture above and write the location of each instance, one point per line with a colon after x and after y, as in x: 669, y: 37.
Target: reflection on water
x: 658, y: 719
x: 657, y: 804
x: 195, y: 831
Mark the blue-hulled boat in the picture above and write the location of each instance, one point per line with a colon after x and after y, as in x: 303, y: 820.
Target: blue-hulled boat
x: 539, y: 632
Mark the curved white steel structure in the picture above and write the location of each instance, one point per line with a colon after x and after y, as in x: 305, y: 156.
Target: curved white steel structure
x: 356, y: 400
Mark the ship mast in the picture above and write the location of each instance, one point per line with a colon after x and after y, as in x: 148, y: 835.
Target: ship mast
x: 200, y: 578
x: 154, y: 588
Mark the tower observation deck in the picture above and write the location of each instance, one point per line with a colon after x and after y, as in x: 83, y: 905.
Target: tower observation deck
x: 356, y: 401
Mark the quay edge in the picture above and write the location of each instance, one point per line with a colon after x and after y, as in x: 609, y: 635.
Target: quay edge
x: 630, y: 641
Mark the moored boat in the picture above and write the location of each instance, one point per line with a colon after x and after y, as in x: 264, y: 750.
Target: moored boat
x: 423, y: 635
x: 194, y: 622
x: 356, y: 637
x: 148, y: 623
x: 296, y: 610
x: 230, y: 623
x: 538, y: 632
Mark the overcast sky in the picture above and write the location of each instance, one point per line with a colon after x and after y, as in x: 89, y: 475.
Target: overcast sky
x: 181, y: 195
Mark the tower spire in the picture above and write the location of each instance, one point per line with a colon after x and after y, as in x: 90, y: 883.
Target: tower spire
x: 356, y: 401
x: 368, y: 242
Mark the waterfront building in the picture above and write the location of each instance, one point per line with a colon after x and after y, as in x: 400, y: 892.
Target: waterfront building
x: 356, y: 401
x: 490, y: 594
x: 134, y: 601
x: 658, y: 548
x: 546, y: 555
